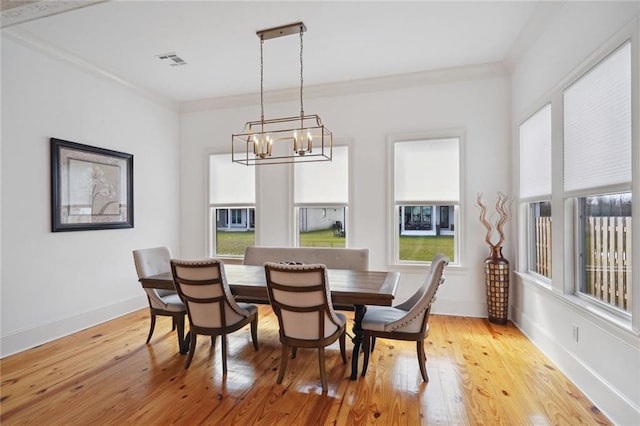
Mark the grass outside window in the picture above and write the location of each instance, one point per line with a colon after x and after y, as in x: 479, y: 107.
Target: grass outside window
x: 424, y: 248
x: 412, y: 248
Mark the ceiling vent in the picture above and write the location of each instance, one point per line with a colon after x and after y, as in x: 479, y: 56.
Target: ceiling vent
x: 174, y: 60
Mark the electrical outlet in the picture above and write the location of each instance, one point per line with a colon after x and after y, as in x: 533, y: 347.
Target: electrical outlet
x: 574, y: 329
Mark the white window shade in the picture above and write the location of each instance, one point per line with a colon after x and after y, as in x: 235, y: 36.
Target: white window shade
x: 325, y: 182
x: 597, y: 125
x: 535, y: 154
x: 427, y: 170
x: 230, y: 183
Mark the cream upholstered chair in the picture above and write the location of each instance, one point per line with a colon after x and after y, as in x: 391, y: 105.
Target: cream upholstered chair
x: 407, y: 321
x: 153, y: 261
x: 212, y: 310
x: 300, y: 298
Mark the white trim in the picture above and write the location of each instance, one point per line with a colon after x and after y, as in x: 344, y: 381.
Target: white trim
x: 32, y: 41
x: 621, y: 410
x: 536, y: 25
x: 378, y: 84
x: 24, y: 339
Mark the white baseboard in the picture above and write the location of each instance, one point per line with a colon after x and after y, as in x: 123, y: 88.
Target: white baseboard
x: 459, y: 308
x: 616, y: 406
x: 26, y: 339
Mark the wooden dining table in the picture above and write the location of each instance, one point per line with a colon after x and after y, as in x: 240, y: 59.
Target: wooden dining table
x: 348, y: 288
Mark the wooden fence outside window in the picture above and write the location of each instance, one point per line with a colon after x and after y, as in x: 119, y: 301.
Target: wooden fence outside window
x: 607, y: 258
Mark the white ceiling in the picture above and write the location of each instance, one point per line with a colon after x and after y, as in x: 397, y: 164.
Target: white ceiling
x: 345, y: 40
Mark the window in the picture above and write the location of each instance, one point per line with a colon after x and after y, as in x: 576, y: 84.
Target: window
x: 598, y: 176
x: 426, y: 188
x: 535, y: 189
x: 321, y: 197
x: 231, y: 206
x: 605, y: 249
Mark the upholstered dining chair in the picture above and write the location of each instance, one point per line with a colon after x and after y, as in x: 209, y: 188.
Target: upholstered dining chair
x: 153, y: 261
x: 300, y: 298
x: 407, y: 321
x: 212, y: 310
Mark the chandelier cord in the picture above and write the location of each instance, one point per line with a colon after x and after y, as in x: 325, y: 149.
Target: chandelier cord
x: 261, y: 80
x: 301, y: 79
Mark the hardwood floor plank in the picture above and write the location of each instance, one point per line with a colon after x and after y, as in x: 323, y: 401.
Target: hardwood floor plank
x: 479, y: 374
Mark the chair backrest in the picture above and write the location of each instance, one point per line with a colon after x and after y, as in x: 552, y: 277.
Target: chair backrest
x: 153, y: 261
x: 416, y: 318
x: 411, y: 302
x: 202, y: 286
x: 356, y: 259
x: 300, y: 298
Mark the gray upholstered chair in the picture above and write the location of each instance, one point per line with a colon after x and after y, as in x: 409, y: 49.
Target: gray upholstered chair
x: 300, y: 298
x: 407, y: 321
x: 212, y: 310
x: 153, y: 261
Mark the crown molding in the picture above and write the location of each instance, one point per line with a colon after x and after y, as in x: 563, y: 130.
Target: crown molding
x: 535, y: 26
x: 34, y: 42
x: 377, y: 84
x: 17, y: 12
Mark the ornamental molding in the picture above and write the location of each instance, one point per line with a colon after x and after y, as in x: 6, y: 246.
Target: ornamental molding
x: 18, y: 11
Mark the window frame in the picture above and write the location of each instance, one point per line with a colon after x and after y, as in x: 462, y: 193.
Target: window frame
x: 575, y: 229
x: 315, y: 205
x: 393, y: 209
x: 212, y: 207
x: 525, y: 223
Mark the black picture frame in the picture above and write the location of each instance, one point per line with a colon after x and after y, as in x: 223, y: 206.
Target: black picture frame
x: 91, y: 187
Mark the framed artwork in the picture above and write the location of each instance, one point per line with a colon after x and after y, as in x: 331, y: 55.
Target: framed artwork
x: 91, y: 188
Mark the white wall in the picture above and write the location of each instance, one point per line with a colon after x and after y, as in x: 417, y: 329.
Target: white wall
x: 478, y: 106
x: 54, y: 284
x: 605, y: 361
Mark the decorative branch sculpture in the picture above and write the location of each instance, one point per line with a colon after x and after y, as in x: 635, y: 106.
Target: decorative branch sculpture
x: 503, y: 211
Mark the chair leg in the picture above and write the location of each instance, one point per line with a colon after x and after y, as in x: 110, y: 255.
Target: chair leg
x: 294, y: 351
x: 224, y: 354
x: 173, y: 323
x: 283, y: 362
x: 254, y: 332
x: 213, y: 341
x: 178, y: 321
x: 192, y: 349
x: 151, y: 326
x: 422, y: 360
x: 373, y: 343
x: 323, y: 372
x: 366, y: 348
x: 343, y: 350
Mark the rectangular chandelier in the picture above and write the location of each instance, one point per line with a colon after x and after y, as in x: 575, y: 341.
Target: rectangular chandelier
x: 297, y: 139
x: 282, y: 140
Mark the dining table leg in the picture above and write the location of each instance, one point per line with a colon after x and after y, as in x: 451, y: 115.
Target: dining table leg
x: 357, y: 339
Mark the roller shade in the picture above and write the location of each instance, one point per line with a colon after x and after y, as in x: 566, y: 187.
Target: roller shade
x: 427, y: 170
x: 325, y: 182
x: 597, y: 125
x: 535, y: 154
x: 230, y: 183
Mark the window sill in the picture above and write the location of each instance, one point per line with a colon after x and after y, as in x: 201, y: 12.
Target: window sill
x: 604, y: 318
x: 535, y: 279
x: 419, y: 268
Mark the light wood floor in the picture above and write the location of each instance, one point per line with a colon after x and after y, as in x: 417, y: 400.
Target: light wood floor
x: 479, y: 374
